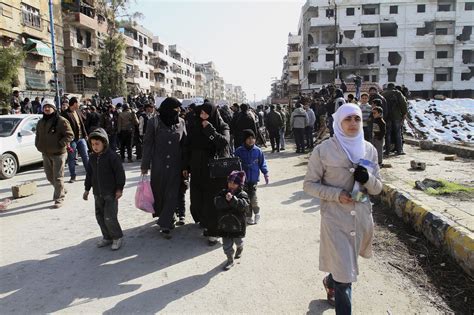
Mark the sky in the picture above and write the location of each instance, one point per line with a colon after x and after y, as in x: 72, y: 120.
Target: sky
x: 246, y: 39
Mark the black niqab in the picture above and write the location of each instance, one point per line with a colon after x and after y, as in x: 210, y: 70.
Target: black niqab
x: 168, y: 114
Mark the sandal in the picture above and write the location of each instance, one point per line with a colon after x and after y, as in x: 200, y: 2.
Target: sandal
x: 331, y: 294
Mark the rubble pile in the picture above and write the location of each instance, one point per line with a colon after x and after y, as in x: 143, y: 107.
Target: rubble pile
x: 447, y: 121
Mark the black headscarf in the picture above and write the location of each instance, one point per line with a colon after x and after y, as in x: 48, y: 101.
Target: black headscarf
x: 168, y: 114
x: 212, y: 111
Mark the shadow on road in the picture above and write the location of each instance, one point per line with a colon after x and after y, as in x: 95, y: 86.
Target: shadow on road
x: 318, y: 307
x: 25, y: 208
x: 77, y: 274
x: 285, y: 182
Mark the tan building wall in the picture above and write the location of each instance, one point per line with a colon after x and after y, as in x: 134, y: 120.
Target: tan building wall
x: 29, y: 19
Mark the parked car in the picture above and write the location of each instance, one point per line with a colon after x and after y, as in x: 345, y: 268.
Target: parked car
x: 17, y: 143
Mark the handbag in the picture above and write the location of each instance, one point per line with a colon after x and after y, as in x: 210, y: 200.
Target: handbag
x: 144, y: 195
x: 222, y: 167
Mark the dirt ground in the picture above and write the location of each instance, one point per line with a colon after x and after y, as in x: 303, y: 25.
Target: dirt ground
x: 49, y: 262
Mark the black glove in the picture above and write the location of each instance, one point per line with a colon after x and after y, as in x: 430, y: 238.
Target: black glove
x: 361, y: 175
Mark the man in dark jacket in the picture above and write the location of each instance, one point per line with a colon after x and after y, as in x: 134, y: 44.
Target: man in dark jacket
x: 105, y: 174
x: 397, y: 105
x: 79, y: 143
x: 242, y: 121
x: 273, y: 123
x: 109, y: 122
x: 53, y: 135
x: 92, y: 120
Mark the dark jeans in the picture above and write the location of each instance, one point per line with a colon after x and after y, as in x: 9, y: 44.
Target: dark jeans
x: 106, y: 209
x: 126, y: 143
x: 368, y: 133
x: 81, y: 147
x: 251, y: 190
x: 343, y: 296
x: 308, y: 132
x: 299, y: 138
x: 138, y: 141
x: 113, y: 142
x: 394, y: 135
x: 274, y: 139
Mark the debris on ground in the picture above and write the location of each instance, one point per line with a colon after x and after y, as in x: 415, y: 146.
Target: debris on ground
x: 450, y: 157
x: 433, y: 271
x: 417, y: 165
x: 4, y: 204
x: 443, y: 187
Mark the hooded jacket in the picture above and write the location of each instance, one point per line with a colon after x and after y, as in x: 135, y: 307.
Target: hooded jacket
x: 299, y: 118
x: 253, y: 161
x: 104, y: 172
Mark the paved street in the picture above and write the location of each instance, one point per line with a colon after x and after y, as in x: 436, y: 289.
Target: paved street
x: 49, y: 261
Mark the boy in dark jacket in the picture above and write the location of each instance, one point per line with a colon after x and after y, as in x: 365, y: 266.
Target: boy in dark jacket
x: 378, y: 130
x: 253, y: 162
x: 231, y: 205
x: 105, y: 174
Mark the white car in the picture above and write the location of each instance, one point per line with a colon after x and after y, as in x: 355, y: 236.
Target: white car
x: 17, y: 143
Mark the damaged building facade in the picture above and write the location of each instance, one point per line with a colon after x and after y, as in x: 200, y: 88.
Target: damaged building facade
x: 426, y: 45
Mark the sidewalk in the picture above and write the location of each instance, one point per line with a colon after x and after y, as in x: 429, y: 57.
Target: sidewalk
x: 447, y: 221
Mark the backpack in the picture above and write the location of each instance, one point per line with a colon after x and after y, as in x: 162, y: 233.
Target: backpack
x: 229, y: 223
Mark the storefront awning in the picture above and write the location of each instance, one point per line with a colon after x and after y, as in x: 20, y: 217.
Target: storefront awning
x: 37, y: 47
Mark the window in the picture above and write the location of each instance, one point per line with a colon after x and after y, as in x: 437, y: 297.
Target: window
x: 443, y: 74
x: 141, y: 74
x: 374, y: 78
x: 366, y: 78
x: 368, y: 33
x: 146, y: 75
x: 441, y: 31
x: 469, y: 6
x: 444, y: 7
x: 441, y: 77
x: 349, y: 11
x: 419, y: 77
x: 420, y: 55
x: 420, y: 31
x: 80, y: 63
x: 388, y: 30
x: 421, y: 8
x: 442, y: 54
x: 393, y: 9
x: 78, y: 80
x: 30, y: 16
x: 370, y: 9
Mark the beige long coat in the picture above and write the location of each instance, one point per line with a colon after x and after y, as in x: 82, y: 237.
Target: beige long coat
x: 346, y: 229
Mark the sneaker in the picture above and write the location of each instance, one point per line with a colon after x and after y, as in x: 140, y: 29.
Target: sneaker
x: 72, y: 180
x: 400, y: 153
x: 238, y: 252
x: 250, y: 221
x: 57, y: 205
x: 116, y: 244
x: 166, y: 233
x: 257, y: 218
x: 229, y: 264
x: 103, y: 242
x: 181, y: 221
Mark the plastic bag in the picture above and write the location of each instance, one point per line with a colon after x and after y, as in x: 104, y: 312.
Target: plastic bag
x: 358, y: 193
x: 144, y: 196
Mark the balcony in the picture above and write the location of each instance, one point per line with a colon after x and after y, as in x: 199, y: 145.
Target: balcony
x: 31, y: 20
x: 84, y: 70
x: 294, y: 81
x: 445, y: 62
x: 321, y: 21
x: 294, y: 54
x: 445, y: 15
x: 444, y: 39
x: 294, y: 39
x: 294, y: 68
x: 81, y: 20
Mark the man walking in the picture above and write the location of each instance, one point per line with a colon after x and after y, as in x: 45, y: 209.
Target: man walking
x: 274, y: 123
x: 298, y: 122
x: 309, y: 129
x: 397, y: 105
x: 282, y: 130
x: 127, y: 120
x: 109, y: 122
x: 79, y: 143
x: 53, y: 135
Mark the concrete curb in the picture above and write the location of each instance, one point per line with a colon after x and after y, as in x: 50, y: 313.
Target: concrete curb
x: 455, y: 239
x: 465, y: 152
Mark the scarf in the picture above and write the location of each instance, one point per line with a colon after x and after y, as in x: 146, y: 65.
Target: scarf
x: 353, y: 146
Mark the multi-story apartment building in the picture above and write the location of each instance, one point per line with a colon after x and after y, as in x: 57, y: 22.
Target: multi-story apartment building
x: 203, y: 88
x: 139, y: 70
x: 240, y: 95
x: 162, y: 61
x: 183, y: 72
x: 426, y: 45
x: 25, y: 24
x: 234, y: 94
x: 293, y: 65
x: 215, y: 90
x: 84, y: 32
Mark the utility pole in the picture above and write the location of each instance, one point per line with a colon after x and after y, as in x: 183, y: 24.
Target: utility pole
x: 55, y: 71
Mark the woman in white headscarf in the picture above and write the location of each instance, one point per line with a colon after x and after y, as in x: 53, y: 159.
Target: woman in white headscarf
x: 342, y: 172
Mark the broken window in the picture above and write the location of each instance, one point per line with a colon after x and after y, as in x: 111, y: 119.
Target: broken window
x: 394, y: 58
x: 329, y: 13
x: 429, y: 28
x: 420, y: 54
x: 310, y: 40
x: 419, y: 77
x: 393, y: 9
x: 442, y: 54
x: 88, y: 39
x: 467, y: 56
x: 368, y: 33
x: 421, y: 8
x: 370, y: 9
x: 469, y: 6
x: 466, y: 33
x: 388, y: 29
x: 466, y: 76
x: 443, y: 74
x: 80, y: 63
x: 392, y: 74
x: 367, y: 59
x: 349, y: 34
x: 369, y: 30
x: 329, y: 57
x: 349, y: 11
x: 312, y: 77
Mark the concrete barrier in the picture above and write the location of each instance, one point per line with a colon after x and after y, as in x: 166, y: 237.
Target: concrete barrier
x: 442, y: 232
x: 461, y: 151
